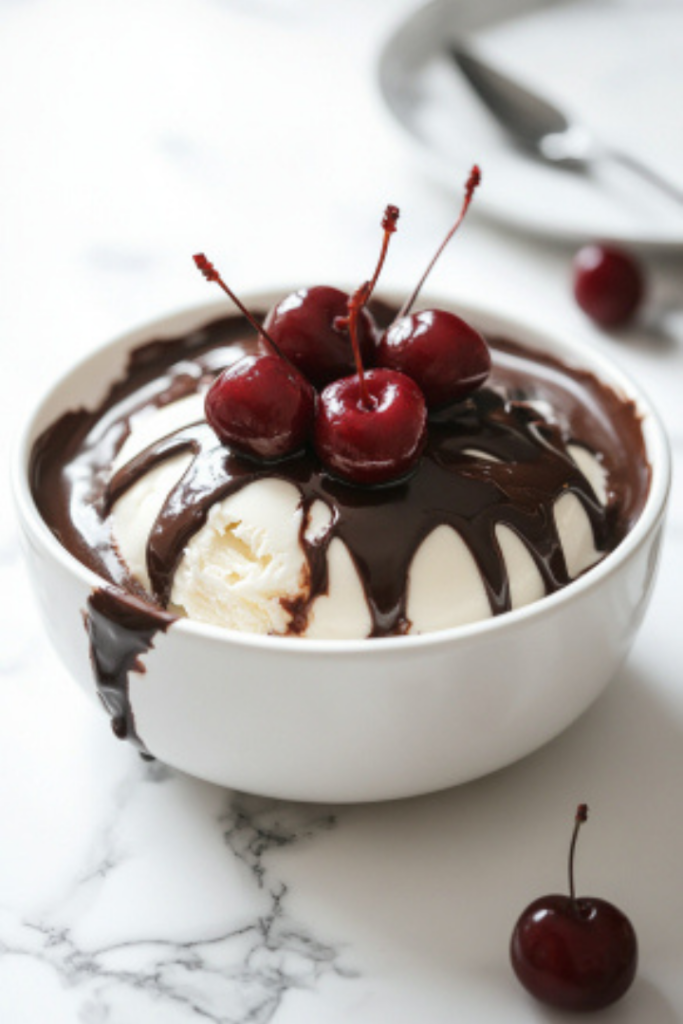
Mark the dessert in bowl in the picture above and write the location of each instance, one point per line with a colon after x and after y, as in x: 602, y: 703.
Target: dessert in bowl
x: 369, y: 692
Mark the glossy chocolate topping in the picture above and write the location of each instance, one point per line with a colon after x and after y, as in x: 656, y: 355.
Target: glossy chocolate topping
x: 120, y: 631
x: 382, y: 527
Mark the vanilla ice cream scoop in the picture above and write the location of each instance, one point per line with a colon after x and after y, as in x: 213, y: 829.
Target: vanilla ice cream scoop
x: 272, y: 558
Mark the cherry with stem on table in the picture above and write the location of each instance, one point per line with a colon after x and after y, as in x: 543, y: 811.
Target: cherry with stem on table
x: 575, y: 953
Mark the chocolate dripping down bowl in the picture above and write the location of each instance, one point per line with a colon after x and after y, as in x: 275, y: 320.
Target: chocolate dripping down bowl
x: 351, y: 720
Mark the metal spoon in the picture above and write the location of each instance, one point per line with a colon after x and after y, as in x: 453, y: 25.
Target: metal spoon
x: 541, y: 128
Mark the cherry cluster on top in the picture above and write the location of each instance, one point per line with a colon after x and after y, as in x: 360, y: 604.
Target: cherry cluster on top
x: 368, y: 426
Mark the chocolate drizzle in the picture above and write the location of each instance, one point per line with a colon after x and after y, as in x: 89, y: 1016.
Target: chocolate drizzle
x: 383, y: 528
x: 528, y: 469
x: 121, y: 628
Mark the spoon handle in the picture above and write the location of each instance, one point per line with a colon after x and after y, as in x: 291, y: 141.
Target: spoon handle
x: 646, y: 172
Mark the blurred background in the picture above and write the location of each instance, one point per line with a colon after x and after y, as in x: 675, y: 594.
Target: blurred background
x: 272, y: 135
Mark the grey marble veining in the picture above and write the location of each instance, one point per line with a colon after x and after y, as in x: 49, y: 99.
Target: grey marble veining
x: 240, y: 973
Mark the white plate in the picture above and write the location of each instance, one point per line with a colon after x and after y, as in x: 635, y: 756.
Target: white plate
x: 615, y: 65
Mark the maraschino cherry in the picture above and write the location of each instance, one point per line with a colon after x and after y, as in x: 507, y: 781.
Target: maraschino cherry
x: 260, y: 405
x: 574, y: 953
x: 310, y: 326
x: 608, y: 284
x: 370, y: 428
x: 440, y: 351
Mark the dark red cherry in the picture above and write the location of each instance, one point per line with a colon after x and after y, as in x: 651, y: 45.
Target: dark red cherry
x: 440, y: 351
x: 608, y: 284
x: 375, y: 437
x: 310, y: 327
x: 370, y: 428
x: 574, y: 953
x: 262, y: 407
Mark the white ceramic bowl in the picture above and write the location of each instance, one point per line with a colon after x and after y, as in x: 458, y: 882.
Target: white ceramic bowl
x: 358, y: 720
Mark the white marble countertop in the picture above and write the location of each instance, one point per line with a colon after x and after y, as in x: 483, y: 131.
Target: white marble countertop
x: 133, y: 135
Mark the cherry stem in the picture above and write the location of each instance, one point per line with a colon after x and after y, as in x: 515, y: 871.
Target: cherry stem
x: 361, y: 297
x: 391, y: 215
x: 211, y: 274
x: 470, y: 185
x: 356, y: 303
x: 581, y: 816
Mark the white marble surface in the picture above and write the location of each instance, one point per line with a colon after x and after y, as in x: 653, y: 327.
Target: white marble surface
x: 132, y: 135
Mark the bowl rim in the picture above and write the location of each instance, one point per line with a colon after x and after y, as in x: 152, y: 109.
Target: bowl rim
x: 486, y: 318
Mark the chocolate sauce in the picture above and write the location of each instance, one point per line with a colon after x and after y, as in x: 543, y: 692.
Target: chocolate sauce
x: 121, y: 628
x: 382, y: 527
